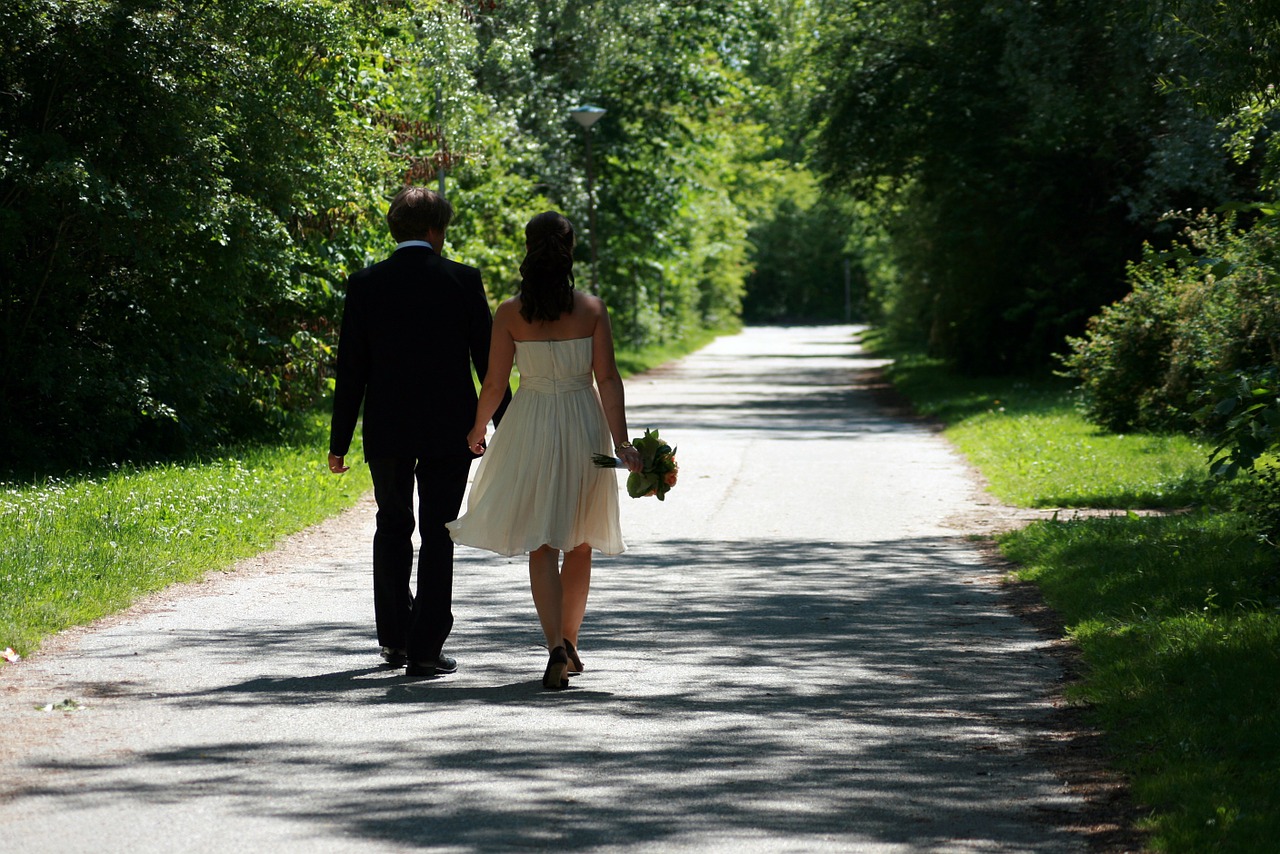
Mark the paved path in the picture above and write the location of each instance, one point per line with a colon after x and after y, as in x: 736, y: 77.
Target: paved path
x: 795, y: 654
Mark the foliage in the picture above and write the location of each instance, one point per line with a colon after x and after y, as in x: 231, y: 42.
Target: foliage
x: 1012, y: 152
x: 800, y: 257
x: 1212, y: 307
x: 184, y: 188
x: 1247, y: 413
x: 72, y: 550
x: 1244, y: 415
x: 810, y: 241
x: 671, y: 157
x: 1230, y: 67
x: 181, y: 186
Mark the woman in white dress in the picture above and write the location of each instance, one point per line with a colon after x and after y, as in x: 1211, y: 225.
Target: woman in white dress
x: 537, y: 490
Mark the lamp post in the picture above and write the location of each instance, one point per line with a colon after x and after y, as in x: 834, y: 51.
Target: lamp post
x: 587, y: 115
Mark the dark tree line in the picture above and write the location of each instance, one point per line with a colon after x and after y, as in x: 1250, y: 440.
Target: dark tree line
x: 1018, y: 156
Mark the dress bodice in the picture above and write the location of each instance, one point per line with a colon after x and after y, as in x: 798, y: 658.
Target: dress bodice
x: 554, y: 367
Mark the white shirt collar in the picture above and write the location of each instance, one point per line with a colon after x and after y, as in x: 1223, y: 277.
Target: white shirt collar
x: 402, y: 245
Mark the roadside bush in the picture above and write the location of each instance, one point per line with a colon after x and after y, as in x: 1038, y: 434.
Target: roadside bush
x: 1209, y: 307
x: 1263, y: 502
x: 1243, y: 411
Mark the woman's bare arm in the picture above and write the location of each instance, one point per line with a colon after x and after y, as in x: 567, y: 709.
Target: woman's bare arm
x: 612, y: 397
x: 497, y: 380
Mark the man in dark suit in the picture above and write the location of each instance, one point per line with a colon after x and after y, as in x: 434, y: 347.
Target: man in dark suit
x: 412, y: 327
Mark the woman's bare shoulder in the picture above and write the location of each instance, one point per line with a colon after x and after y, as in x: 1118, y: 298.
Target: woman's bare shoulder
x: 507, y: 315
x: 591, y: 305
x: 509, y: 307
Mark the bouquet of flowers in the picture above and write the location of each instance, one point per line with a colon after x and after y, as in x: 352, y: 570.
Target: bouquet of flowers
x: 659, y: 467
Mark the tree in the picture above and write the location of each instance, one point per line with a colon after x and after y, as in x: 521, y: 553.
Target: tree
x: 669, y: 154
x: 180, y: 184
x: 1026, y: 150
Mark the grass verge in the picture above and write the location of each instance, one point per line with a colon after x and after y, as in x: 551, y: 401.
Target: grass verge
x: 1177, y: 617
x: 1178, y: 621
x: 75, y: 550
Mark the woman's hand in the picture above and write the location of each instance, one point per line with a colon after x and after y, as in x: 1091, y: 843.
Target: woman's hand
x: 475, y: 441
x: 630, y: 457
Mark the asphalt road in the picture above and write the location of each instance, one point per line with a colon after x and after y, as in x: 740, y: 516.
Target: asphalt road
x: 798, y: 652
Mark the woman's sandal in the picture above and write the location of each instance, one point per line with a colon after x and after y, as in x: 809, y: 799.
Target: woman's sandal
x: 575, y: 663
x: 557, y: 665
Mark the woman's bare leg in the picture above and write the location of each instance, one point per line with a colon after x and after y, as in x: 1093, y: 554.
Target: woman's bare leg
x: 544, y: 581
x: 575, y: 582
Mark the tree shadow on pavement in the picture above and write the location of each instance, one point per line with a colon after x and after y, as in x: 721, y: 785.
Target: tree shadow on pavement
x: 826, y: 694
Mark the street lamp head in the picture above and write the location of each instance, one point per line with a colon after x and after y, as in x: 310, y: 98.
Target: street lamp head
x: 587, y: 114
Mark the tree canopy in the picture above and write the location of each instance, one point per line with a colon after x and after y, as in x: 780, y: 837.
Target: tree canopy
x: 1024, y: 152
x: 185, y: 186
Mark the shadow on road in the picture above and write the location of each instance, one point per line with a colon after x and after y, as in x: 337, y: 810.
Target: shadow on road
x: 817, y: 701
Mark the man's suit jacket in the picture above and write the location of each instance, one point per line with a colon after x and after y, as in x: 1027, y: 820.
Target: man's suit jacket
x: 412, y: 327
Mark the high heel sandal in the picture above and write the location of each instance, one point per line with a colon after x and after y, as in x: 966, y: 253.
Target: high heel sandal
x: 575, y: 663
x: 555, y: 679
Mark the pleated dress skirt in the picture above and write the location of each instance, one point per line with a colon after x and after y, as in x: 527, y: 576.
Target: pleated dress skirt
x: 536, y: 484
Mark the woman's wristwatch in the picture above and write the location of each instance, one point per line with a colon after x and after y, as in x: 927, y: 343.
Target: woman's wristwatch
x: 622, y: 446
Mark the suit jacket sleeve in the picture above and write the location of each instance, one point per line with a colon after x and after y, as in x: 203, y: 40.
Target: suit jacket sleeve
x: 352, y: 373
x: 481, y: 327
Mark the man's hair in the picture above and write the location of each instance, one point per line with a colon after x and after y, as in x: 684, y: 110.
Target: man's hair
x: 415, y: 211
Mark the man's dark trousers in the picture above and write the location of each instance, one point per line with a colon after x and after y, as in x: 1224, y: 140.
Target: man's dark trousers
x: 417, y: 624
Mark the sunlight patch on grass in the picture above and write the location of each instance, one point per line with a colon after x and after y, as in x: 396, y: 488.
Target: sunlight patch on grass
x: 1057, y: 459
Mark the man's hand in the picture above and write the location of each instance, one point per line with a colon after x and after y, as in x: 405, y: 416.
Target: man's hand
x: 335, y: 464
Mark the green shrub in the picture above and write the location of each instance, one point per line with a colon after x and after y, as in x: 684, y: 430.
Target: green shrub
x: 1210, y: 307
x: 1264, y: 503
x: 1243, y: 412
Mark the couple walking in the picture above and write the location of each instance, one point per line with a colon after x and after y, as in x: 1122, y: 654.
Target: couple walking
x: 412, y: 328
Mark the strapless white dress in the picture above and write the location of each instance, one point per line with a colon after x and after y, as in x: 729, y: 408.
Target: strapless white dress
x: 536, y: 484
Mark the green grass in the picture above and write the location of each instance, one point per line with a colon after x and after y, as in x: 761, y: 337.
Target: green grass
x: 1177, y: 617
x: 638, y: 360
x: 77, y: 549
x: 1030, y: 441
